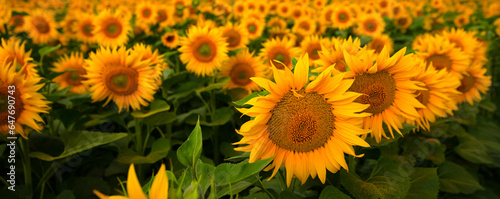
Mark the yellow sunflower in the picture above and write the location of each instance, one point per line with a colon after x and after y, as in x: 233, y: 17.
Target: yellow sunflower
x: 68, y: 25
x: 115, y: 74
x: 18, y: 22
x: 239, y: 8
x: 85, y: 28
x: 111, y: 29
x: 203, y: 50
x: 312, y: 45
x: 370, y: 25
x: 145, y: 13
x: 463, y: 40
x: 252, y: 27
x: 305, y: 126
x: 403, y: 21
x: 461, y: 20
x: 13, y: 51
x: 241, y: 68
x: 297, y: 12
x: 164, y: 15
x: 386, y: 87
x: 170, y: 39
x: 277, y: 33
x: 279, y: 50
x: 41, y: 27
x: 342, y: 18
x: 304, y: 26
x: 379, y: 42
x: 473, y: 83
x: 155, y: 60
x: 334, y: 56
x: 276, y: 22
x: 284, y: 10
x: 443, y: 55
x: 235, y: 35
x: 19, y: 99
x: 438, y: 99
x: 74, y: 77
x: 158, y: 189
x: 326, y: 15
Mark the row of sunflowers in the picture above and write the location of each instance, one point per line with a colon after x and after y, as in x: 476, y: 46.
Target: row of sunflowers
x: 249, y: 99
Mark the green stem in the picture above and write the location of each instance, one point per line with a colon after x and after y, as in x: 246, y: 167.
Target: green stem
x: 138, y: 135
x: 43, y: 180
x: 293, y: 184
x: 26, y: 162
x: 215, y: 128
x: 264, y: 188
x: 282, y: 180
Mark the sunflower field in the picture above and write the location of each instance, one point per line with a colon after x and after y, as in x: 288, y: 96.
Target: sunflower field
x: 249, y: 99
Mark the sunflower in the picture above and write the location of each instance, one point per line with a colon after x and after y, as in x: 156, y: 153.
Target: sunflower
x: 85, y: 28
x: 284, y: 10
x: 41, y: 27
x: 13, y: 51
x: 18, y: 21
x: 304, y: 26
x: 253, y: 27
x: 463, y: 40
x: 158, y: 189
x: 241, y: 68
x: 155, y: 60
x: 379, y: 42
x: 297, y: 12
x: 25, y: 100
x: 386, y: 87
x: 342, y: 18
x: 236, y: 36
x: 203, y: 50
x: 239, y: 8
x: 115, y: 74
x: 279, y: 50
x: 438, y: 99
x: 403, y: 21
x: 306, y: 126
x: 473, y: 83
x: 461, y: 20
x: 111, y: 29
x: 170, y: 39
x: 370, y: 25
x: 277, y: 33
x: 276, y: 22
x: 164, y: 15
x: 334, y: 56
x: 74, y: 77
x: 312, y: 45
x: 443, y: 55
x: 326, y: 15
x: 145, y: 13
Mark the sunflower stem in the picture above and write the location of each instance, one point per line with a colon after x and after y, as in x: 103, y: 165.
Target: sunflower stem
x: 293, y: 185
x: 138, y: 135
x: 26, y: 162
x: 215, y: 128
x: 264, y: 188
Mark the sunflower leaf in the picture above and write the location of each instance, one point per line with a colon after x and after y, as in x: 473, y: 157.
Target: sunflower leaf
x: 47, y: 49
x: 453, y: 178
x: 156, y: 106
x: 406, y: 128
x: 189, y: 152
x: 332, y: 192
x: 232, y: 173
x: 240, y: 103
x: 159, y: 150
x: 424, y: 183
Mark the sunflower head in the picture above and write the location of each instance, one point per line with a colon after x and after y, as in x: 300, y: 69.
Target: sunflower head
x: 278, y: 52
x: 236, y: 36
x: 75, y: 76
x: 111, y: 29
x: 12, y: 51
x: 306, y: 126
x: 41, y: 27
x: 241, y: 68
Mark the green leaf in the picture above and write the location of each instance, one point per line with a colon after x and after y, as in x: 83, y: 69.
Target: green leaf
x: 160, y: 118
x: 472, y: 149
x: 222, y: 82
x: 294, y: 61
x: 333, y: 193
x: 156, y: 106
x: 159, y: 150
x: 204, y: 173
x: 488, y: 106
x: 222, y: 116
x: 75, y: 142
x: 387, y: 180
x: 235, y: 188
x: 66, y: 194
x: 453, y: 178
x: 189, y: 152
x: 47, y: 49
x: 286, y: 195
x: 58, y: 94
x: 424, y: 183
x: 240, y: 103
x: 231, y: 173
x: 406, y: 128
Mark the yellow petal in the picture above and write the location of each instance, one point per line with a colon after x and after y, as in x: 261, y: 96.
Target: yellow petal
x: 159, y: 188
x: 134, y: 188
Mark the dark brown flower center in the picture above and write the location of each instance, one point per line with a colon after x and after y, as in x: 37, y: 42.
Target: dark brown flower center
x: 233, y: 38
x: 467, y: 83
x: 121, y: 80
x: 440, y: 61
x: 15, y: 101
x: 301, y: 124
x: 241, y: 74
x: 379, y: 90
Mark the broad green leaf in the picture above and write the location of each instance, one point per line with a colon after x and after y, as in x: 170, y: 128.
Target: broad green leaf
x: 488, y: 105
x: 419, y: 148
x: 159, y: 150
x: 333, y: 193
x: 189, y: 152
x: 472, y: 149
x: 453, y: 178
x: 222, y: 116
x: 406, y: 128
x: 240, y: 103
x: 287, y: 195
x: 204, y: 173
x: 294, y: 61
x: 58, y: 94
x: 424, y: 183
x: 78, y: 141
x: 235, y: 188
x: 222, y: 82
x: 156, y: 106
x: 231, y: 173
x: 47, y: 49
x: 160, y: 118
x: 387, y: 180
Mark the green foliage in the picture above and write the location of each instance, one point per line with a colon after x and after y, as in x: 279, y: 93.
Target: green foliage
x: 189, y: 152
x: 159, y: 150
x: 454, y: 178
x: 227, y: 173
